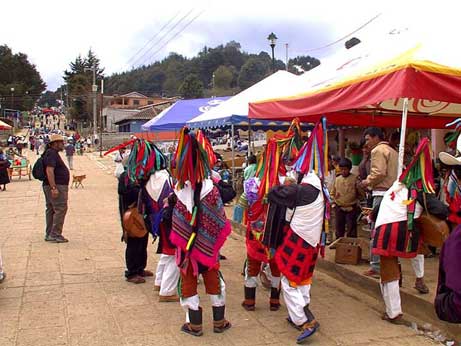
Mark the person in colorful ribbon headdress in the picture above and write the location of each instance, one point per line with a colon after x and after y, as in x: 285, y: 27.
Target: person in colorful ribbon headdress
x: 141, y: 185
x: 163, y: 200
x: 304, y: 207
x: 281, y: 150
x: 396, y: 234
x: 199, y: 230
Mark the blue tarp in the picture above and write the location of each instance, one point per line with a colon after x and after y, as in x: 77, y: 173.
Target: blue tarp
x: 175, y: 117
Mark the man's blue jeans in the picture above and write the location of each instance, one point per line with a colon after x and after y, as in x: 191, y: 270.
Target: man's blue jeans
x: 374, y: 259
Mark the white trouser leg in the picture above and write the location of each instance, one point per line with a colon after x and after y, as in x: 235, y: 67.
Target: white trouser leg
x: 170, y: 277
x: 219, y: 299
x: 275, y: 282
x: 160, y: 267
x: 192, y: 303
x: 418, y: 266
x: 267, y: 270
x: 295, y: 299
x: 391, y: 296
x: 250, y: 281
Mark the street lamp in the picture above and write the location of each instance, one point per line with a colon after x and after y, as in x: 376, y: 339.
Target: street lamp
x: 12, y: 97
x: 272, y: 38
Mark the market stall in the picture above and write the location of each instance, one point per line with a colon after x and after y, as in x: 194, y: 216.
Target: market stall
x: 391, y: 83
x: 175, y: 117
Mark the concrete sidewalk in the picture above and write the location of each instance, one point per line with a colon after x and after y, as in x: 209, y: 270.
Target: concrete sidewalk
x: 75, y: 293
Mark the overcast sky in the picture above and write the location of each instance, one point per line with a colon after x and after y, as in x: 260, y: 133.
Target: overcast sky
x: 52, y: 33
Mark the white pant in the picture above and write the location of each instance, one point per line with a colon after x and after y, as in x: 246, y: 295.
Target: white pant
x: 296, y: 299
x: 193, y: 302
x: 252, y: 281
x: 167, y: 275
x: 391, y: 296
x: 418, y: 266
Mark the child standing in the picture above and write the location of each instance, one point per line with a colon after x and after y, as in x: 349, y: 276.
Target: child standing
x: 346, y: 197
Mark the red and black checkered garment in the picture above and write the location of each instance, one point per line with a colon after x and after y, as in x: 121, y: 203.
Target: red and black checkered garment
x: 295, y: 258
x: 395, y: 240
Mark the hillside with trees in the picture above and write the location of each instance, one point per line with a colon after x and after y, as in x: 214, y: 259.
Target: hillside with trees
x: 219, y: 71
x: 222, y: 70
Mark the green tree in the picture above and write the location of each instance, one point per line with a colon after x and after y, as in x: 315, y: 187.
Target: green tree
x: 48, y: 99
x: 192, y: 87
x: 254, y: 70
x: 301, y: 64
x: 223, y: 77
x: 79, y: 81
x: 17, y: 72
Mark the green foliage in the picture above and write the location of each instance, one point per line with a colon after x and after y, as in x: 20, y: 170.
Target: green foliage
x: 223, y: 77
x: 192, y: 87
x: 301, y: 64
x: 48, y: 99
x: 17, y: 72
x: 79, y: 81
x: 254, y: 70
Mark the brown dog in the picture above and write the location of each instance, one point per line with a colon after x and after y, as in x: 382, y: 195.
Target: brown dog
x: 77, y: 180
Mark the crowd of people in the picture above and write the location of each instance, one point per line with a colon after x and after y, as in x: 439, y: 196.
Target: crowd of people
x: 285, y: 228
x: 290, y: 192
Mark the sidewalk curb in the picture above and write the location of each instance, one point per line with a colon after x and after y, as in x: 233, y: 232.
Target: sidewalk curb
x: 411, y: 304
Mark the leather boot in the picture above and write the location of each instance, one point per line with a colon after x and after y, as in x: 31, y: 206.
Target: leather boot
x: 310, y: 316
x: 250, y: 298
x: 220, y: 324
x: 275, y: 299
x: 194, y: 327
x: 308, y: 328
x: 420, y: 286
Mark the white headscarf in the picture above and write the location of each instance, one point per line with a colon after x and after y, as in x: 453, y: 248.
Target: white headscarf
x: 392, y: 208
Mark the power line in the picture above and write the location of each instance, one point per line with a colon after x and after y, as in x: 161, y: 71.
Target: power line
x: 343, y: 37
x: 153, y: 37
x: 163, y: 37
x: 174, y: 36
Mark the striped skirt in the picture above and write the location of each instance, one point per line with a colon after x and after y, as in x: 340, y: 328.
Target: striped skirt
x: 394, y: 240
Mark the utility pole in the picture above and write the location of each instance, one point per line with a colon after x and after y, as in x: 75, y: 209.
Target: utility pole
x: 286, y: 47
x: 67, y: 97
x: 101, y: 118
x: 94, y: 89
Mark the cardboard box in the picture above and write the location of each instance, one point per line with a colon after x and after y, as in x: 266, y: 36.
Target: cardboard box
x: 348, y: 253
x: 364, y: 244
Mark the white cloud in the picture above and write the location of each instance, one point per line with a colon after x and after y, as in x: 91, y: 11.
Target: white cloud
x: 54, y: 32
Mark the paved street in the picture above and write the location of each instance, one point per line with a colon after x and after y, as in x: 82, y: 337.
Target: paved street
x: 75, y: 293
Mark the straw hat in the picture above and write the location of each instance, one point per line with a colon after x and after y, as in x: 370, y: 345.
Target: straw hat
x: 56, y: 138
x: 449, y: 159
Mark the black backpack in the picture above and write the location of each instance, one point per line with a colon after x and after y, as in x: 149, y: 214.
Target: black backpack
x: 38, y: 171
